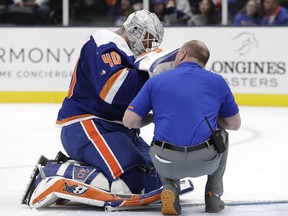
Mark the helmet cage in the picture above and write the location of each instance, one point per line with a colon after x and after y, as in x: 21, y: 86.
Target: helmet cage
x: 144, y: 31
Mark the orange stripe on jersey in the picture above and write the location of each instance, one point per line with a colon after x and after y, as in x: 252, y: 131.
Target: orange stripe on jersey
x: 158, y: 50
x: 102, y: 147
x: 73, y: 82
x: 130, y: 107
x: 73, y: 118
x: 106, y: 88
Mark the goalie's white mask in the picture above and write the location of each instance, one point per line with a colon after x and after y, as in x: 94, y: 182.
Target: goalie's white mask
x: 144, y: 31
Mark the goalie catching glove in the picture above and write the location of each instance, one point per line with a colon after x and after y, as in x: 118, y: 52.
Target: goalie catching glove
x: 156, y: 61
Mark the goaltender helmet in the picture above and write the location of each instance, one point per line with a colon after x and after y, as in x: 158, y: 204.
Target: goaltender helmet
x: 144, y: 31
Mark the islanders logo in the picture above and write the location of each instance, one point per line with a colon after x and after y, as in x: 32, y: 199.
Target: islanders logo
x: 75, y: 189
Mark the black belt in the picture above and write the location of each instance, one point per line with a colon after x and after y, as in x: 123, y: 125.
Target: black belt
x: 182, y: 148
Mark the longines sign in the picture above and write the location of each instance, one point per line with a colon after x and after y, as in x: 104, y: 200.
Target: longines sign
x: 252, y: 60
x: 250, y: 65
x: 250, y: 74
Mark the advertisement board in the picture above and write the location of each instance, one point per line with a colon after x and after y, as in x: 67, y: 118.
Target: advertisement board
x: 37, y: 63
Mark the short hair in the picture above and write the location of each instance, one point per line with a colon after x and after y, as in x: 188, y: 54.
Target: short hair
x: 198, y: 50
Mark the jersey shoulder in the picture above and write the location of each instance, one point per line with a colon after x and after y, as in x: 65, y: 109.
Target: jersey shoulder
x: 109, y: 39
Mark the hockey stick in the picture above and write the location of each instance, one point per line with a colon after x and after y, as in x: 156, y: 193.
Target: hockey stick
x: 142, y: 200
x: 256, y: 202
x: 229, y: 203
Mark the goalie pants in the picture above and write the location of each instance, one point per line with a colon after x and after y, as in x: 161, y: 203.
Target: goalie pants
x: 180, y: 164
x: 114, y: 149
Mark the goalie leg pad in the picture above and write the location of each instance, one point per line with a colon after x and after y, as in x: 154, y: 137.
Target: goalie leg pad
x: 82, y: 173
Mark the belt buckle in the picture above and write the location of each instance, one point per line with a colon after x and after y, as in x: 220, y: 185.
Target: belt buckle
x: 163, y: 144
x: 207, y: 143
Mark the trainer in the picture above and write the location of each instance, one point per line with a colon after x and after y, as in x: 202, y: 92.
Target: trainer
x: 191, y: 107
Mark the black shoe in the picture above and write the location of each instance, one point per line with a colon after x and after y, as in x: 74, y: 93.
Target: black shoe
x: 213, y: 203
x: 170, y: 198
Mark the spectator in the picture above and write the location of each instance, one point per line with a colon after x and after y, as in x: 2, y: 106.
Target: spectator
x: 112, y: 6
x: 208, y: 14
x: 234, y: 6
x: 137, y: 4
x: 284, y: 3
x: 188, y: 102
x: 29, y: 12
x: 250, y: 15
x: 160, y: 8
x: 125, y: 10
x: 3, y: 7
x: 92, y: 12
x: 168, y: 14
x: 184, y: 10
x: 274, y: 14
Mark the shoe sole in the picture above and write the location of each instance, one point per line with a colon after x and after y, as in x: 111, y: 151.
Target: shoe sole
x: 168, y: 199
x: 214, y: 210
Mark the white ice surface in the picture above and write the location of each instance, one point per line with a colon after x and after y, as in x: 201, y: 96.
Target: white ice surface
x: 256, y: 170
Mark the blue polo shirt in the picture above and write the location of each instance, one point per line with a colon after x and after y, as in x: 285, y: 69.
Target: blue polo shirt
x: 180, y: 99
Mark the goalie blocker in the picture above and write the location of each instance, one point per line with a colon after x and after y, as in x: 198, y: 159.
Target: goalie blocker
x: 156, y: 61
x: 58, y: 182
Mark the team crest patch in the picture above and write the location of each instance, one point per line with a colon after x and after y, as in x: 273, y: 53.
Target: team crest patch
x: 75, y: 189
x: 81, y: 173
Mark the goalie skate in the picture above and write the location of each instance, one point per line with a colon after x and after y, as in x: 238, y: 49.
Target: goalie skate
x: 42, y: 161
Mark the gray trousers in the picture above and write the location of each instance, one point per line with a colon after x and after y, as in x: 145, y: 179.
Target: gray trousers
x: 177, y: 165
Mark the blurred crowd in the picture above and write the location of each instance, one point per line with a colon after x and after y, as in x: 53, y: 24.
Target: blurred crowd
x: 170, y: 12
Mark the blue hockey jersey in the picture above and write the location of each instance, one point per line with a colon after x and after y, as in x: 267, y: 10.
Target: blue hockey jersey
x: 104, y: 81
